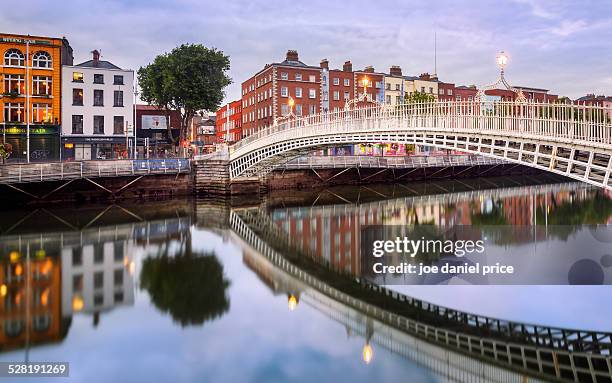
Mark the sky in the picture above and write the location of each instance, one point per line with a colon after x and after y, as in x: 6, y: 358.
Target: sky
x: 564, y: 46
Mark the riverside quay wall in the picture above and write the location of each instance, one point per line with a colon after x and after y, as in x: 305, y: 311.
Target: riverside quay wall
x: 211, y: 177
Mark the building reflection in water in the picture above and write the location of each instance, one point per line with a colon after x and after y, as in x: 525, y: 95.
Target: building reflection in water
x: 46, y: 278
x: 332, y: 232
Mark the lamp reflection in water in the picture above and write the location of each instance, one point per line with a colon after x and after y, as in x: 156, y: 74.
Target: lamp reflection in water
x: 292, y: 302
x: 367, y: 353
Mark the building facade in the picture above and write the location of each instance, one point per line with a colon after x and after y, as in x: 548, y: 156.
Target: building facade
x: 31, y: 96
x: 156, y: 131
x: 229, y: 122
x: 97, y: 111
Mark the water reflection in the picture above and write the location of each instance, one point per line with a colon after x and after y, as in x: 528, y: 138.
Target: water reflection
x: 144, y: 287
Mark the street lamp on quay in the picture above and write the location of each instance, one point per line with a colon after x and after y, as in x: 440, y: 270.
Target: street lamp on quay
x: 291, y: 102
x: 502, y: 60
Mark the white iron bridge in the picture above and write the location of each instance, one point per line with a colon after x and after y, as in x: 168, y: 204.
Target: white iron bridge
x: 567, y: 139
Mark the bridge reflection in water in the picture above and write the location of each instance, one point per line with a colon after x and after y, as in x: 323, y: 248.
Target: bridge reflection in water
x: 285, y: 250
x: 56, y: 265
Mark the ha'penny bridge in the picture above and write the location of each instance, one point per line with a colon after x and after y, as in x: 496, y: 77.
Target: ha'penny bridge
x: 456, y: 345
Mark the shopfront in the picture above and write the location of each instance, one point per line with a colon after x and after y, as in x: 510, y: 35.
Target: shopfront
x: 44, y: 142
x: 96, y: 148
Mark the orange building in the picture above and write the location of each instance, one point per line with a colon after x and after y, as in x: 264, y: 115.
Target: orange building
x: 31, y: 73
x: 30, y: 300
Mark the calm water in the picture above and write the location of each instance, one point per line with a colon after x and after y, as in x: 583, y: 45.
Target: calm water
x: 173, y: 291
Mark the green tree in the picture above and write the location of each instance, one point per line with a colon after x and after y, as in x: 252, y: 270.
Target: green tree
x: 189, y: 79
x: 419, y: 97
x: 191, y: 287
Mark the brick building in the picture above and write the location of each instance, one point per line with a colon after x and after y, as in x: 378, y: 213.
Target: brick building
x: 229, y: 122
x: 152, y: 131
x: 265, y: 96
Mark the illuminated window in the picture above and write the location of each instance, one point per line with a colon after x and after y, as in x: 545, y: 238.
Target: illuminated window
x: 77, y: 97
x: 77, y: 76
x: 41, y: 59
x: 41, y: 85
x: 42, y: 113
x: 14, y: 57
x: 13, y: 83
x: 14, y: 112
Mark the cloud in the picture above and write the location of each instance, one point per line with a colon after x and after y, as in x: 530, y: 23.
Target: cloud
x: 131, y: 33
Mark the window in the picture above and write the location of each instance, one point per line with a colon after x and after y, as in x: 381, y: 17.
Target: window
x: 450, y: 92
x: 346, y: 95
x: 14, y: 112
x: 284, y: 76
x: 336, y: 81
x: 312, y: 78
x: 388, y: 86
x: 98, y: 78
x: 14, y: 57
x: 312, y: 93
x: 77, y: 283
x: 77, y: 124
x: 77, y: 256
x: 13, y: 83
x: 118, y: 98
x: 98, y: 127
x: 284, y: 109
x: 284, y: 91
x: 98, y: 281
x: 298, y: 92
x: 422, y: 89
x: 388, y: 99
x: 77, y: 76
x: 298, y: 76
x: 41, y: 59
x: 117, y: 80
x: 98, y: 97
x: 458, y: 97
x: 118, y: 125
x: 312, y: 109
x: 42, y: 113
x: 77, y: 97
x: 397, y: 87
x: 430, y: 90
x: 298, y: 109
x: 347, y: 82
x: 41, y: 86
x: 470, y: 98
x: 441, y: 91
x: 378, y: 84
x: 336, y: 95
x: 98, y: 253
x: 118, y: 277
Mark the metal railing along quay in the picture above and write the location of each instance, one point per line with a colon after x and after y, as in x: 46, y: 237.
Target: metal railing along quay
x: 403, y: 162
x: 57, y: 171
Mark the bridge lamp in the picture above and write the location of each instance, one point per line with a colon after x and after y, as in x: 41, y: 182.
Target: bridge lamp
x: 365, y: 83
x: 367, y: 353
x: 291, y: 102
x: 502, y: 60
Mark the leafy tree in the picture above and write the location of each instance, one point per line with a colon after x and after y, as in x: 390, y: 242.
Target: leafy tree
x: 189, y: 79
x: 419, y: 97
x: 191, y: 287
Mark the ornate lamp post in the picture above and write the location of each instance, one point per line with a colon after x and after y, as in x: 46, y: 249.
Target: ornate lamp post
x: 502, y: 61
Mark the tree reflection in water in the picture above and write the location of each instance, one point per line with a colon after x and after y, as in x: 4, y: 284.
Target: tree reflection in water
x: 190, y: 286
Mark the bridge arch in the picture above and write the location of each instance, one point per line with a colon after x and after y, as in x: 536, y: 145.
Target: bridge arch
x: 571, y: 140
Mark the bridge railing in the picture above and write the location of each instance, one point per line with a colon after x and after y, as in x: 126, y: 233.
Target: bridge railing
x: 57, y: 171
x: 575, y: 122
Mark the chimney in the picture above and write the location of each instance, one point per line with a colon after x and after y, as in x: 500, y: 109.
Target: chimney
x: 324, y: 64
x: 395, y: 71
x: 96, y: 57
x: 347, y: 67
x: 424, y: 76
x: 369, y: 69
x: 292, y: 55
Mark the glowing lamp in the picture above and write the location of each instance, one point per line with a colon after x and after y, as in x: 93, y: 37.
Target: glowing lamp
x: 292, y: 302
x: 502, y: 60
x: 3, y: 290
x: 77, y: 303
